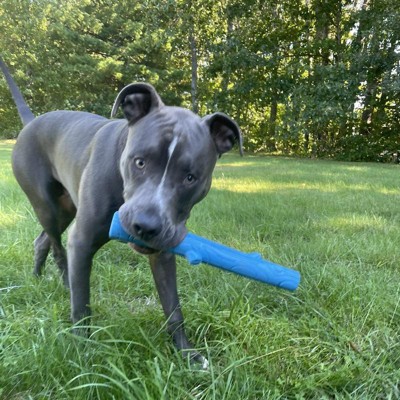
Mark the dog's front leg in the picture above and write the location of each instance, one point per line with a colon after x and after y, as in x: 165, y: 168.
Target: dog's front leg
x: 82, y: 245
x: 163, y: 267
x: 79, y: 268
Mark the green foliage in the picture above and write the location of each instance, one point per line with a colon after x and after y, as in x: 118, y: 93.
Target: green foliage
x: 306, y: 78
x: 381, y: 147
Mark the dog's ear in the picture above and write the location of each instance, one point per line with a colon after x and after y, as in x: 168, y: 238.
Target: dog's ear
x: 137, y: 100
x: 225, y: 132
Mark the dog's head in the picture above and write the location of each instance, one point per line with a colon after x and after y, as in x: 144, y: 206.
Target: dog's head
x: 167, y: 163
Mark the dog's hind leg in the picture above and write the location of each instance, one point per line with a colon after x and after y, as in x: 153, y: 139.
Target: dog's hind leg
x: 53, y: 208
x: 66, y: 212
x: 55, y: 216
x: 42, y: 246
x: 51, y: 238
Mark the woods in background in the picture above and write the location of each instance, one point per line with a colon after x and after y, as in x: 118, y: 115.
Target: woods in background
x: 314, y: 78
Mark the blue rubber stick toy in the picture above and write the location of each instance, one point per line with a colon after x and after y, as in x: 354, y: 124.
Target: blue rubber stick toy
x: 197, y: 249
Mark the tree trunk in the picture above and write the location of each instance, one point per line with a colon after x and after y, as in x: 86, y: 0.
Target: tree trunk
x: 322, y: 30
x: 338, y: 34
x: 272, y: 117
x: 194, y: 64
x: 366, y: 116
x: 229, y: 33
x: 355, y: 68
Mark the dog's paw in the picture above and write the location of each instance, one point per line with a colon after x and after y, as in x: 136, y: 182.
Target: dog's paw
x: 196, y: 360
x: 204, y: 363
x: 82, y: 327
x: 81, y: 331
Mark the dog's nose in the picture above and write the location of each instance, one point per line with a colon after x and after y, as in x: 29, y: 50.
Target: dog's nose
x: 146, y: 226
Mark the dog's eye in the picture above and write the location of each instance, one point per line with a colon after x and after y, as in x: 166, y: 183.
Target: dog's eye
x: 140, y: 163
x: 190, y: 178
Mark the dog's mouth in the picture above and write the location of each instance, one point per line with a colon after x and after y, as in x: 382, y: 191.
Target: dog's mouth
x: 154, y: 247
x: 153, y: 234
x: 143, y: 250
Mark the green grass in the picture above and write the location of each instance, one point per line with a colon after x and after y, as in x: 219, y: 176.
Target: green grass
x: 336, y: 337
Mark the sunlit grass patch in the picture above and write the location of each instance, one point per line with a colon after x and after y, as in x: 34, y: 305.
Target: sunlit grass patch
x: 360, y: 223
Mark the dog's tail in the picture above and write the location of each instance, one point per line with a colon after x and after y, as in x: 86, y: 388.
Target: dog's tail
x: 24, y: 111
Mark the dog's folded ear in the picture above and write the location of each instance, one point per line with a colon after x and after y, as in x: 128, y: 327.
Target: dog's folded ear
x: 137, y: 100
x: 225, y: 132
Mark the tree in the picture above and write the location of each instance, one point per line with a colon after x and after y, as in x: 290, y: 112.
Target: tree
x: 305, y: 77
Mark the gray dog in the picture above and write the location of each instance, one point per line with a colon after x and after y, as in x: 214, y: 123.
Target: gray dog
x: 153, y: 166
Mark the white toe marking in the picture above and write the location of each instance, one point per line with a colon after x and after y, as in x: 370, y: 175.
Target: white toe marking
x: 205, y: 363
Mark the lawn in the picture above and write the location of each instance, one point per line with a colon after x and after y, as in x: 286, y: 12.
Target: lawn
x: 336, y: 337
